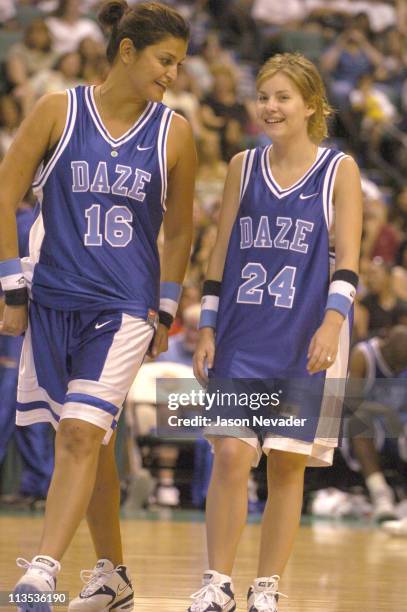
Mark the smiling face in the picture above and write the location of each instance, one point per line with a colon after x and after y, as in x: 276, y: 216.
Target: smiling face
x: 281, y: 109
x: 154, y: 68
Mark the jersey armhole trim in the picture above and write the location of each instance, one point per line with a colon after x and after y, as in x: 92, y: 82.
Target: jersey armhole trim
x: 328, y: 188
x: 71, y: 112
x: 246, y: 170
x: 369, y: 361
x: 162, y: 153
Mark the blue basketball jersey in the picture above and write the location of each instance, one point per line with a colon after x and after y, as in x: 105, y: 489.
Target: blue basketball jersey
x: 101, y: 202
x: 382, y: 385
x: 376, y: 366
x: 277, y: 270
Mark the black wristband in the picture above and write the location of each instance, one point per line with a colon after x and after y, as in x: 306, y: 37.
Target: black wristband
x: 165, y: 318
x: 16, y: 297
x: 211, y: 287
x: 349, y: 276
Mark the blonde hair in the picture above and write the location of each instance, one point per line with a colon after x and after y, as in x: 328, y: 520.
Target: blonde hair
x: 304, y: 74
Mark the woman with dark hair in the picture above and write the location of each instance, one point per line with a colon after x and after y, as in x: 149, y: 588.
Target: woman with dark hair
x: 112, y: 159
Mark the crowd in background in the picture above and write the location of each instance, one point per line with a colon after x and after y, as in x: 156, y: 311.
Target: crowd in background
x: 360, y: 48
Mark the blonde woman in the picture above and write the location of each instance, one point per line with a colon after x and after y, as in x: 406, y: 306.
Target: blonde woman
x: 277, y: 305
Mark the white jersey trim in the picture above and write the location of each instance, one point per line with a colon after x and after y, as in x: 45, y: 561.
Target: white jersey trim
x: 116, y: 142
x: 44, y: 171
x: 370, y: 366
x: 162, y: 152
x: 246, y: 170
x: 272, y: 183
x: 37, y: 233
x: 328, y: 188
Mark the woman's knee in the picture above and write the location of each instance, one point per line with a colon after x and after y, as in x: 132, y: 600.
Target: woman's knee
x: 233, y: 458
x: 282, y: 465
x: 78, y: 439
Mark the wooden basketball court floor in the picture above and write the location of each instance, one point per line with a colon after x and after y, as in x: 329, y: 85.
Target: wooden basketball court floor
x: 335, y: 567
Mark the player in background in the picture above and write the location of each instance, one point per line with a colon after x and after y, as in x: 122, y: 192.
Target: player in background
x: 281, y: 309
x: 114, y: 163
x: 373, y: 366
x: 34, y: 443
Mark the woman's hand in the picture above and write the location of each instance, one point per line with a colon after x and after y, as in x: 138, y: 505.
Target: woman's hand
x: 15, y: 320
x: 159, y: 343
x: 324, y: 343
x: 204, y: 354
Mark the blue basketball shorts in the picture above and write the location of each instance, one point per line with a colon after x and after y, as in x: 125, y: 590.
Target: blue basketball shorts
x: 79, y: 365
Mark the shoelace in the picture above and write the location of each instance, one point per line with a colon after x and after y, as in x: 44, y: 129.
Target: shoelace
x: 23, y: 563
x: 210, y: 593
x: 93, y: 579
x: 264, y: 600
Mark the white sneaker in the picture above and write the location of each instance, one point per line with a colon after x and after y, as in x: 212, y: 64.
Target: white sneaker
x: 384, y: 509
x: 263, y: 595
x: 167, y: 495
x: 107, y: 588
x: 40, y: 577
x: 216, y: 594
x: 395, y: 528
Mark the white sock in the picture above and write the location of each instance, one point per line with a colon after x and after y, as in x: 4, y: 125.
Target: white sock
x: 378, y: 487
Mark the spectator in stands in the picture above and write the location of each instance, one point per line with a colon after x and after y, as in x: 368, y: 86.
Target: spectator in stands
x: 401, y: 9
x: 399, y: 211
x: 200, y: 21
x: 376, y: 110
x: 204, y: 244
x: 181, y: 97
x: 64, y: 75
x: 211, y: 54
x: 381, y: 15
x: 33, y: 54
x: 239, y: 29
x: 223, y: 112
x: 94, y: 65
x: 279, y: 13
x: 8, y: 12
x: 351, y: 56
x: 10, y: 119
x: 399, y: 273
x: 211, y: 171
x: 381, y: 308
x: 68, y: 27
x: 394, y: 67
x: 381, y: 238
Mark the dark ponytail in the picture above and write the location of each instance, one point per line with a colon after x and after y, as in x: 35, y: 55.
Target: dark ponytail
x: 111, y: 12
x: 145, y: 24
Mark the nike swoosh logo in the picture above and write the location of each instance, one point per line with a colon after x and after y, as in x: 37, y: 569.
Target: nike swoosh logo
x: 143, y: 148
x: 121, y: 590
x: 99, y: 325
x: 303, y: 197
